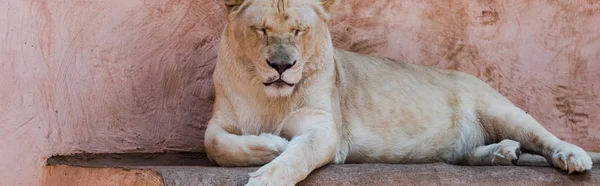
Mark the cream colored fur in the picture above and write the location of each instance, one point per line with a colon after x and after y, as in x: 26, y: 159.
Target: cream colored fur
x: 346, y: 107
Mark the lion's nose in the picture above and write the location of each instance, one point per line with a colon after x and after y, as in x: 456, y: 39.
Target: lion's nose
x: 280, y: 66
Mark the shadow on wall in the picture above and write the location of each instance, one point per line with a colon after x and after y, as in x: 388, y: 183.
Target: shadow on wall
x: 114, y: 76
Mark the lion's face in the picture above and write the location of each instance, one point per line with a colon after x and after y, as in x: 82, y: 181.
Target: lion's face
x: 278, y: 37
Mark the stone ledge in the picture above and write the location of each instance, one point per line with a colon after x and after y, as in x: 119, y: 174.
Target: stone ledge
x: 195, y: 169
x: 67, y: 175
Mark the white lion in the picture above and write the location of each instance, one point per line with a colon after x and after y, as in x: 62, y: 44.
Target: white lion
x: 279, y: 78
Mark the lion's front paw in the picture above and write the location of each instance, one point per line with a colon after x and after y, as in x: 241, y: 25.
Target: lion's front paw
x: 261, y: 181
x: 253, y: 150
x: 269, y: 147
x: 275, y: 143
x: 507, y: 153
x: 267, y: 176
x: 571, y: 158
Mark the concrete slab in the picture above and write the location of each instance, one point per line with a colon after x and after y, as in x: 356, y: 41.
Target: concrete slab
x: 195, y: 169
x: 66, y: 175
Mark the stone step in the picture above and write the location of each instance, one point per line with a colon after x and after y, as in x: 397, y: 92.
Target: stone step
x: 195, y: 169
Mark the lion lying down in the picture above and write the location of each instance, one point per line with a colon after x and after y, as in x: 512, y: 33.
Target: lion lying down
x: 288, y: 100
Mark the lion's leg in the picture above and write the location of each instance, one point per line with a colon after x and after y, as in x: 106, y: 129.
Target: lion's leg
x: 503, y: 120
x: 313, y: 145
x: 506, y: 152
x: 241, y: 150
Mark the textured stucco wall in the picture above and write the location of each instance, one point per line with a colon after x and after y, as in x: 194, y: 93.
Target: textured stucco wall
x: 134, y: 76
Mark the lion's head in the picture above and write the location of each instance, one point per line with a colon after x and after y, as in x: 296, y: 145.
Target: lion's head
x: 276, y: 38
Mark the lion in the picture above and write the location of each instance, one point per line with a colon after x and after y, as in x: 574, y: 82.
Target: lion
x: 288, y: 101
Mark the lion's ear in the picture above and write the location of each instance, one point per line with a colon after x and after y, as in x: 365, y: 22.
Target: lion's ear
x: 232, y: 4
x: 329, y: 4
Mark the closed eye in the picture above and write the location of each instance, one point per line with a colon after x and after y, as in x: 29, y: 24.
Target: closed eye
x: 260, y: 30
x: 299, y: 31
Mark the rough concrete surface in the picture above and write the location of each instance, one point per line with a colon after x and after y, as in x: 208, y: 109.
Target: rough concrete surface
x: 195, y: 169
x: 134, y: 76
x: 64, y: 175
x: 384, y: 174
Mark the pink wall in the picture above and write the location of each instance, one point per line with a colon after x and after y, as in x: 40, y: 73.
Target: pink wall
x: 134, y: 76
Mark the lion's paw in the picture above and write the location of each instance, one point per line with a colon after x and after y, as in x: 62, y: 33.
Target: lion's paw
x: 260, y: 181
x: 259, y: 149
x: 507, y: 153
x: 274, y: 142
x: 267, y: 176
x: 571, y: 158
x: 268, y: 149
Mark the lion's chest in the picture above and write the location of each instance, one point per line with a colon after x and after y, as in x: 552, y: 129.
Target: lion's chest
x: 253, y: 117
